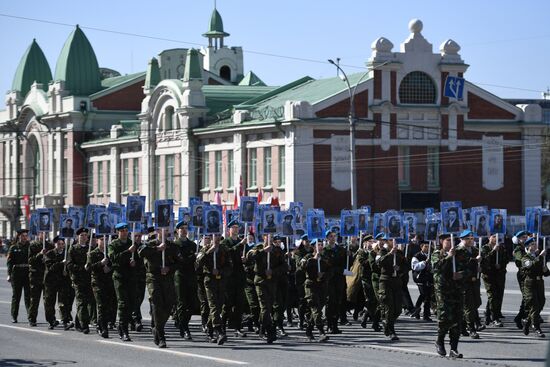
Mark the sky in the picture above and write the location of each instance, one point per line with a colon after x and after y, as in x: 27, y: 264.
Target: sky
x: 506, y: 43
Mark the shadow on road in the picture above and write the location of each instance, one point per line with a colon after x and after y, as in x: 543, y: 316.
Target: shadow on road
x: 30, y: 363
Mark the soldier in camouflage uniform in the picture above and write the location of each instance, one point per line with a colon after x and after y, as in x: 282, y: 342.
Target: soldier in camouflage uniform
x: 185, y: 279
x: 371, y: 303
x: 235, y: 297
x: 336, y: 257
x: 18, y: 272
x: 300, y: 253
x: 280, y: 303
x: 124, y: 277
x: 201, y: 294
x: 160, y: 282
x: 494, y: 278
x: 449, y: 293
x: 80, y: 277
x: 215, y: 261
x: 315, y: 268
x: 375, y: 275
x: 534, y: 268
x: 37, y: 249
x: 472, y: 295
x: 392, y: 265
x: 102, y: 287
x: 519, y: 250
x: 135, y: 323
x: 56, y: 285
x: 268, y: 263
x: 250, y: 288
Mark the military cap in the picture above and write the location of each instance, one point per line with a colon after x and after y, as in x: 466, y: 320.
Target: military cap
x: 81, y: 230
x: 22, y: 230
x: 444, y: 236
x: 180, y: 224
x: 314, y: 241
x: 328, y: 232
x: 521, y: 233
x: 150, y: 229
x: 57, y: 238
x: 367, y: 237
x: 466, y: 233
x: 121, y: 226
x: 381, y: 236
x: 304, y: 237
x: 234, y: 222
x: 530, y: 241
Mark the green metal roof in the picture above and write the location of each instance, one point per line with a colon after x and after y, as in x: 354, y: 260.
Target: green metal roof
x: 33, y: 67
x: 307, y: 89
x: 192, y: 66
x: 221, y: 97
x: 117, y: 80
x: 251, y: 79
x: 152, y: 77
x: 216, y: 26
x: 77, y: 65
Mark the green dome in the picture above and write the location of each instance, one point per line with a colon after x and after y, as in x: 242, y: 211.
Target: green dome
x: 152, y: 77
x: 192, y: 66
x: 216, y: 26
x: 33, y: 67
x: 77, y: 65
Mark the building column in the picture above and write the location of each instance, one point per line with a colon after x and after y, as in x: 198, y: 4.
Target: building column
x: 115, y: 175
x: 59, y: 162
x: 239, y: 161
x: 300, y: 180
x: 531, y: 168
x: 188, y: 172
x: 50, y: 170
x: 14, y: 160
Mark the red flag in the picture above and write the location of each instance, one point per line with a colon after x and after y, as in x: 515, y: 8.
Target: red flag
x: 260, y: 196
x: 238, y: 193
x: 275, y: 201
x: 218, y: 198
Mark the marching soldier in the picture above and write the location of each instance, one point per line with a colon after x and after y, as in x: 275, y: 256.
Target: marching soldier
x: 371, y: 303
x: 160, y: 260
x: 316, y: 268
x: 375, y: 275
x: 124, y: 277
x: 280, y: 302
x: 299, y: 254
x: 493, y: 265
x: 472, y: 295
x: 215, y: 261
x: 102, y: 287
x: 391, y: 262
x: 135, y: 323
x: 80, y: 277
x: 250, y: 288
x: 268, y: 263
x: 423, y: 277
x: 534, y: 268
x: 519, y: 250
x: 18, y: 272
x: 37, y: 249
x: 185, y: 280
x: 56, y: 285
x: 234, y: 301
x: 450, y: 269
x: 336, y: 256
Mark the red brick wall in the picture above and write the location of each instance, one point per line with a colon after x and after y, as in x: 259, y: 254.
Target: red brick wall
x: 393, y: 87
x: 460, y: 177
x: 377, y: 84
x: 341, y: 109
x: 126, y: 99
x: 79, y: 181
x: 482, y: 109
x: 444, y: 100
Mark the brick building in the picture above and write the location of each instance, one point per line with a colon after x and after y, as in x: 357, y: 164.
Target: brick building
x: 193, y: 124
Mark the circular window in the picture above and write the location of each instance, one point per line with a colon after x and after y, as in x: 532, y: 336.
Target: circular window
x: 417, y: 88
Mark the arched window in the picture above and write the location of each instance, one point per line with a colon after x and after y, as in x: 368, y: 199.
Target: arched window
x: 225, y: 72
x: 417, y: 88
x: 168, y: 118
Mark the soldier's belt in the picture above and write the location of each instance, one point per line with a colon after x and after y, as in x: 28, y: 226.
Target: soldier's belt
x: 534, y: 278
x: 21, y: 266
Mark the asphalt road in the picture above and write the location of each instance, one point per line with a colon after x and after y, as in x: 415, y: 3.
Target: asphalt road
x: 21, y: 345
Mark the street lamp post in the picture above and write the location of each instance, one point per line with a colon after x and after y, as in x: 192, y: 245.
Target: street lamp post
x: 351, y: 119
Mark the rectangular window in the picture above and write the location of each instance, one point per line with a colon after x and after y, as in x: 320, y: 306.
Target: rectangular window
x: 157, y: 177
x: 100, y: 177
x: 205, y: 170
x: 90, y: 178
x: 218, y: 169
x: 135, y: 172
x: 282, y: 173
x: 21, y: 173
x: 65, y: 178
x: 108, y: 169
x: 403, y: 166
x: 230, y: 168
x: 4, y: 176
x: 433, y: 167
x: 54, y: 173
x: 252, y: 164
x: 125, y: 175
x: 169, y: 163
x: 267, y: 167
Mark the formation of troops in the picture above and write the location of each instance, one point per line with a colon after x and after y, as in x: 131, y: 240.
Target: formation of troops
x: 243, y: 285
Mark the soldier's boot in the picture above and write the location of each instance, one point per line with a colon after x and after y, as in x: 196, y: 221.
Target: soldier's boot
x: 156, y: 339
x: 139, y: 326
x: 280, y: 329
x: 221, y: 337
x: 464, y: 330
x: 68, y: 325
x: 454, y: 347
x: 440, y: 345
x: 212, y: 338
x: 334, y: 327
x: 126, y: 335
x: 415, y: 314
x: 323, y: 337
x: 519, y: 323
x: 427, y: 314
x: 120, y: 332
x: 132, y: 325
x: 364, y: 320
x: 271, y: 335
x: 539, y: 332
x: 309, y: 333
x: 526, y: 327
x: 478, y: 324
x: 393, y: 334
x: 187, y: 333
x: 301, y: 323
x: 472, y: 331
x: 376, y: 322
x: 104, y: 330
x: 162, y: 339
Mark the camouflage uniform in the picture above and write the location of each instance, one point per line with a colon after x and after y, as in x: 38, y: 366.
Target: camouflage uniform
x: 235, y: 297
x: 371, y: 302
x: 533, y: 268
x: 251, y: 294
x: 18, y: 271
x: 300, y: 276
x: 390, y: 294
x: 472, y: 294
x: 57, y: 285
x: 80, y: 277
x: 186, y: 282
x: 336, y: 257
x: 494, y: 278
x: 36, y: 276
x: 103, y: 290
x: 518, y: 253
x: 316, y: 290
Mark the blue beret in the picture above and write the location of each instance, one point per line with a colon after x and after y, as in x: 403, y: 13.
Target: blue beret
x: 277, y: 237
x: 444, y: 236
x: 381, y: 236
x: 465, y: 233
x: 521, y: 233
x: 304, y: 237
x: 314, y: 241
x: 234, y: 222
x: 530, y: 241
x: 122, y: 225
x: 328, y: 232
x: 180, y: 224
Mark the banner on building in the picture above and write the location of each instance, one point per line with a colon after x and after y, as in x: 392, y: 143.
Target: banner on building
x: 340, y: 165
x: 493, y: 162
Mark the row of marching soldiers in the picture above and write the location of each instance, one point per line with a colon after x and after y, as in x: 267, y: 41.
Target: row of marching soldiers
x: 226, y: 278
